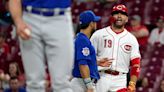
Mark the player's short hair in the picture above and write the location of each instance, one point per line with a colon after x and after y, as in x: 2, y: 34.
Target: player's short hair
x: 83, y: 26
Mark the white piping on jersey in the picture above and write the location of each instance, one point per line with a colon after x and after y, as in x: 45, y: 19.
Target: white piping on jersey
x: 116, y: 40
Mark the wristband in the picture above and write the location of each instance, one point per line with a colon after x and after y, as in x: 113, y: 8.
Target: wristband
x: 87, y: 80
x: 132, y: 83
x: 88, y: 83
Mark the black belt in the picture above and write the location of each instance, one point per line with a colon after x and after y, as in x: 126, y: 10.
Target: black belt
x: 46, y: 12
x: 113, y: 72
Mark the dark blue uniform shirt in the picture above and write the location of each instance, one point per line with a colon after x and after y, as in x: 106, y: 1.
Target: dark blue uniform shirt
x: 85, y: 55
x: 47, y: 3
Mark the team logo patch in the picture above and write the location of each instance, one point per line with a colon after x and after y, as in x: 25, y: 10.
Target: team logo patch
x: 86, y: 51
x: 128, y: 47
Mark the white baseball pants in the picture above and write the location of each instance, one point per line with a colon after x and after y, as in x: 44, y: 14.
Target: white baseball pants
x: 111, y: 83
x: 51, y: 41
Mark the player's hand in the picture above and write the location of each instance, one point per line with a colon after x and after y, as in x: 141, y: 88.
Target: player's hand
x: 90, y: 90
x: 21, y: 26
x: 105, y: 62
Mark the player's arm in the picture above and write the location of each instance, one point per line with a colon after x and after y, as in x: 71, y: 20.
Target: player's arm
x: 134, y: 73
x: 15, y: 8
x: 104, y: 62
x: 84, y: 70
x: 134, y: 65
x: 85, y: 74
x: 142, y: 33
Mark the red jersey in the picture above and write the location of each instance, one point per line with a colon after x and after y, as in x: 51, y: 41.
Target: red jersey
x: 4, y: 51
x: 142, y: 40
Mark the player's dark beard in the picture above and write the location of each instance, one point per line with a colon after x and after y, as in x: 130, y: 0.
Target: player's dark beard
x: 93, y: 30
x: 118, y: 26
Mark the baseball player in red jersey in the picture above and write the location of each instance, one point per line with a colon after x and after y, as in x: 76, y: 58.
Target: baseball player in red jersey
x: 116, y: 43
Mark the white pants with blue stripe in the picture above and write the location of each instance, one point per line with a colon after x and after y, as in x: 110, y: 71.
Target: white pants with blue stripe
x: 51, y: 41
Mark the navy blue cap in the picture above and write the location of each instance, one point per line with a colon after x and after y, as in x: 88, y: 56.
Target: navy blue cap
x: 88, y: 16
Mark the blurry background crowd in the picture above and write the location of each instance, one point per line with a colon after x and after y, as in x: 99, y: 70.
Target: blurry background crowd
x: 146, y: 22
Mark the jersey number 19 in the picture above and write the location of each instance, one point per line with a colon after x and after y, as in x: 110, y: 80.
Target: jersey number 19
x: 107, y: 43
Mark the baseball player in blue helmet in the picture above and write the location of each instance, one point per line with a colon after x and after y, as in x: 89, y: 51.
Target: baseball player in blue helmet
x: 85, y: 72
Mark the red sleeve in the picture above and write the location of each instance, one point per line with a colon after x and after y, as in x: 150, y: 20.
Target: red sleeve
x: 135, y: 61
x: 135, y: 67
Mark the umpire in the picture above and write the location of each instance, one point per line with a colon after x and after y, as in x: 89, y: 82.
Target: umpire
x: 85, y: 70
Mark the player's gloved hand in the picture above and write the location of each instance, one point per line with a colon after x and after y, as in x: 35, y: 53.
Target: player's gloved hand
x: 131, y: 87
x: 21, y: 26
x: 104, y: 62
